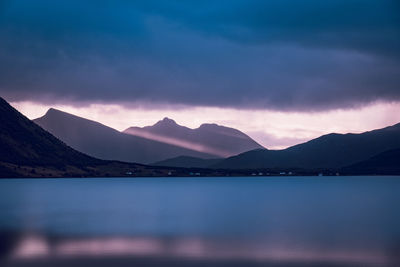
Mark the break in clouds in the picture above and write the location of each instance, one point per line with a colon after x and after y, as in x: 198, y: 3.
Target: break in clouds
x: 284, y: 55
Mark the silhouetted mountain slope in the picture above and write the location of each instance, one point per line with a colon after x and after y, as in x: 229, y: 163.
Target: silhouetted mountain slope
x: 387, y: 162
x: 328, y: 151
x: 26, y: 150
x: 189, y: 162
x: 23, y: 142
x: 103, y: 142
x: 213, y: 139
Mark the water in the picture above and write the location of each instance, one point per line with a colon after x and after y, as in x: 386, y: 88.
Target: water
x: 294, y: 221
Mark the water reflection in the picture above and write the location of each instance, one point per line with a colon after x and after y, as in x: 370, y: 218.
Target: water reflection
x: 46, y: 251
x: 340, y: 221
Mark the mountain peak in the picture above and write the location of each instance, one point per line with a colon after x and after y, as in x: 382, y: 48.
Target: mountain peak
x: 53, y: 111
x: 56, y: 114
x: 166, y: 121
x: 211, y: 126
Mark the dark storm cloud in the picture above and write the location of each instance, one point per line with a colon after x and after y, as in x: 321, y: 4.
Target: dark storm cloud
x: 298, y: 55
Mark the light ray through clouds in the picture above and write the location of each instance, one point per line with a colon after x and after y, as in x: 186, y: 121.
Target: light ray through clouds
x: 179, y: 143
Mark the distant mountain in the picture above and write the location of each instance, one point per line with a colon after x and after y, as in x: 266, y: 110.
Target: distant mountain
x: 328, y: 151
x: 219, y: 141
x: 387, y: 163
x: 103, y: 142
x: 188, y: 162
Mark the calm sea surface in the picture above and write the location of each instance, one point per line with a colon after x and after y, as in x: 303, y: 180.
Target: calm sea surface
x: 281, y: 221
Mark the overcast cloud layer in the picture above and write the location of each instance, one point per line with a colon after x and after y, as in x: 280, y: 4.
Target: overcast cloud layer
x: 283, y: 55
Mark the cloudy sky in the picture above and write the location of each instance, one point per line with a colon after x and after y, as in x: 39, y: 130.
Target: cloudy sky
x: 283, y: 71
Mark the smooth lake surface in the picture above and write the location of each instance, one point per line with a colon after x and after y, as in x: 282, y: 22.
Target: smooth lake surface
x: 342, y: 221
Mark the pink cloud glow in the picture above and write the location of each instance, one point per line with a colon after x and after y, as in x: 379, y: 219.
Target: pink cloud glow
x: 273, y: 129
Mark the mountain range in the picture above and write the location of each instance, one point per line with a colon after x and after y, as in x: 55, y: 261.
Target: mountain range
x: 212, y: 146
x: 27, y: 150
x: 368, y: 152
x: 165, y: 139
x: 219, y: 141
x: 327, y: 151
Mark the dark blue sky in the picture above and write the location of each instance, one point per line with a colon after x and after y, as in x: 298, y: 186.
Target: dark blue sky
x: 282, y: 55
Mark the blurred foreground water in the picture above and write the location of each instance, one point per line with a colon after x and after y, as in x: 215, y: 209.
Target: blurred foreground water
x: 282, y: 221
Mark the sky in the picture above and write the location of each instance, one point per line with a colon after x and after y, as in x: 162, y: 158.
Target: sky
x: 282, y: 71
